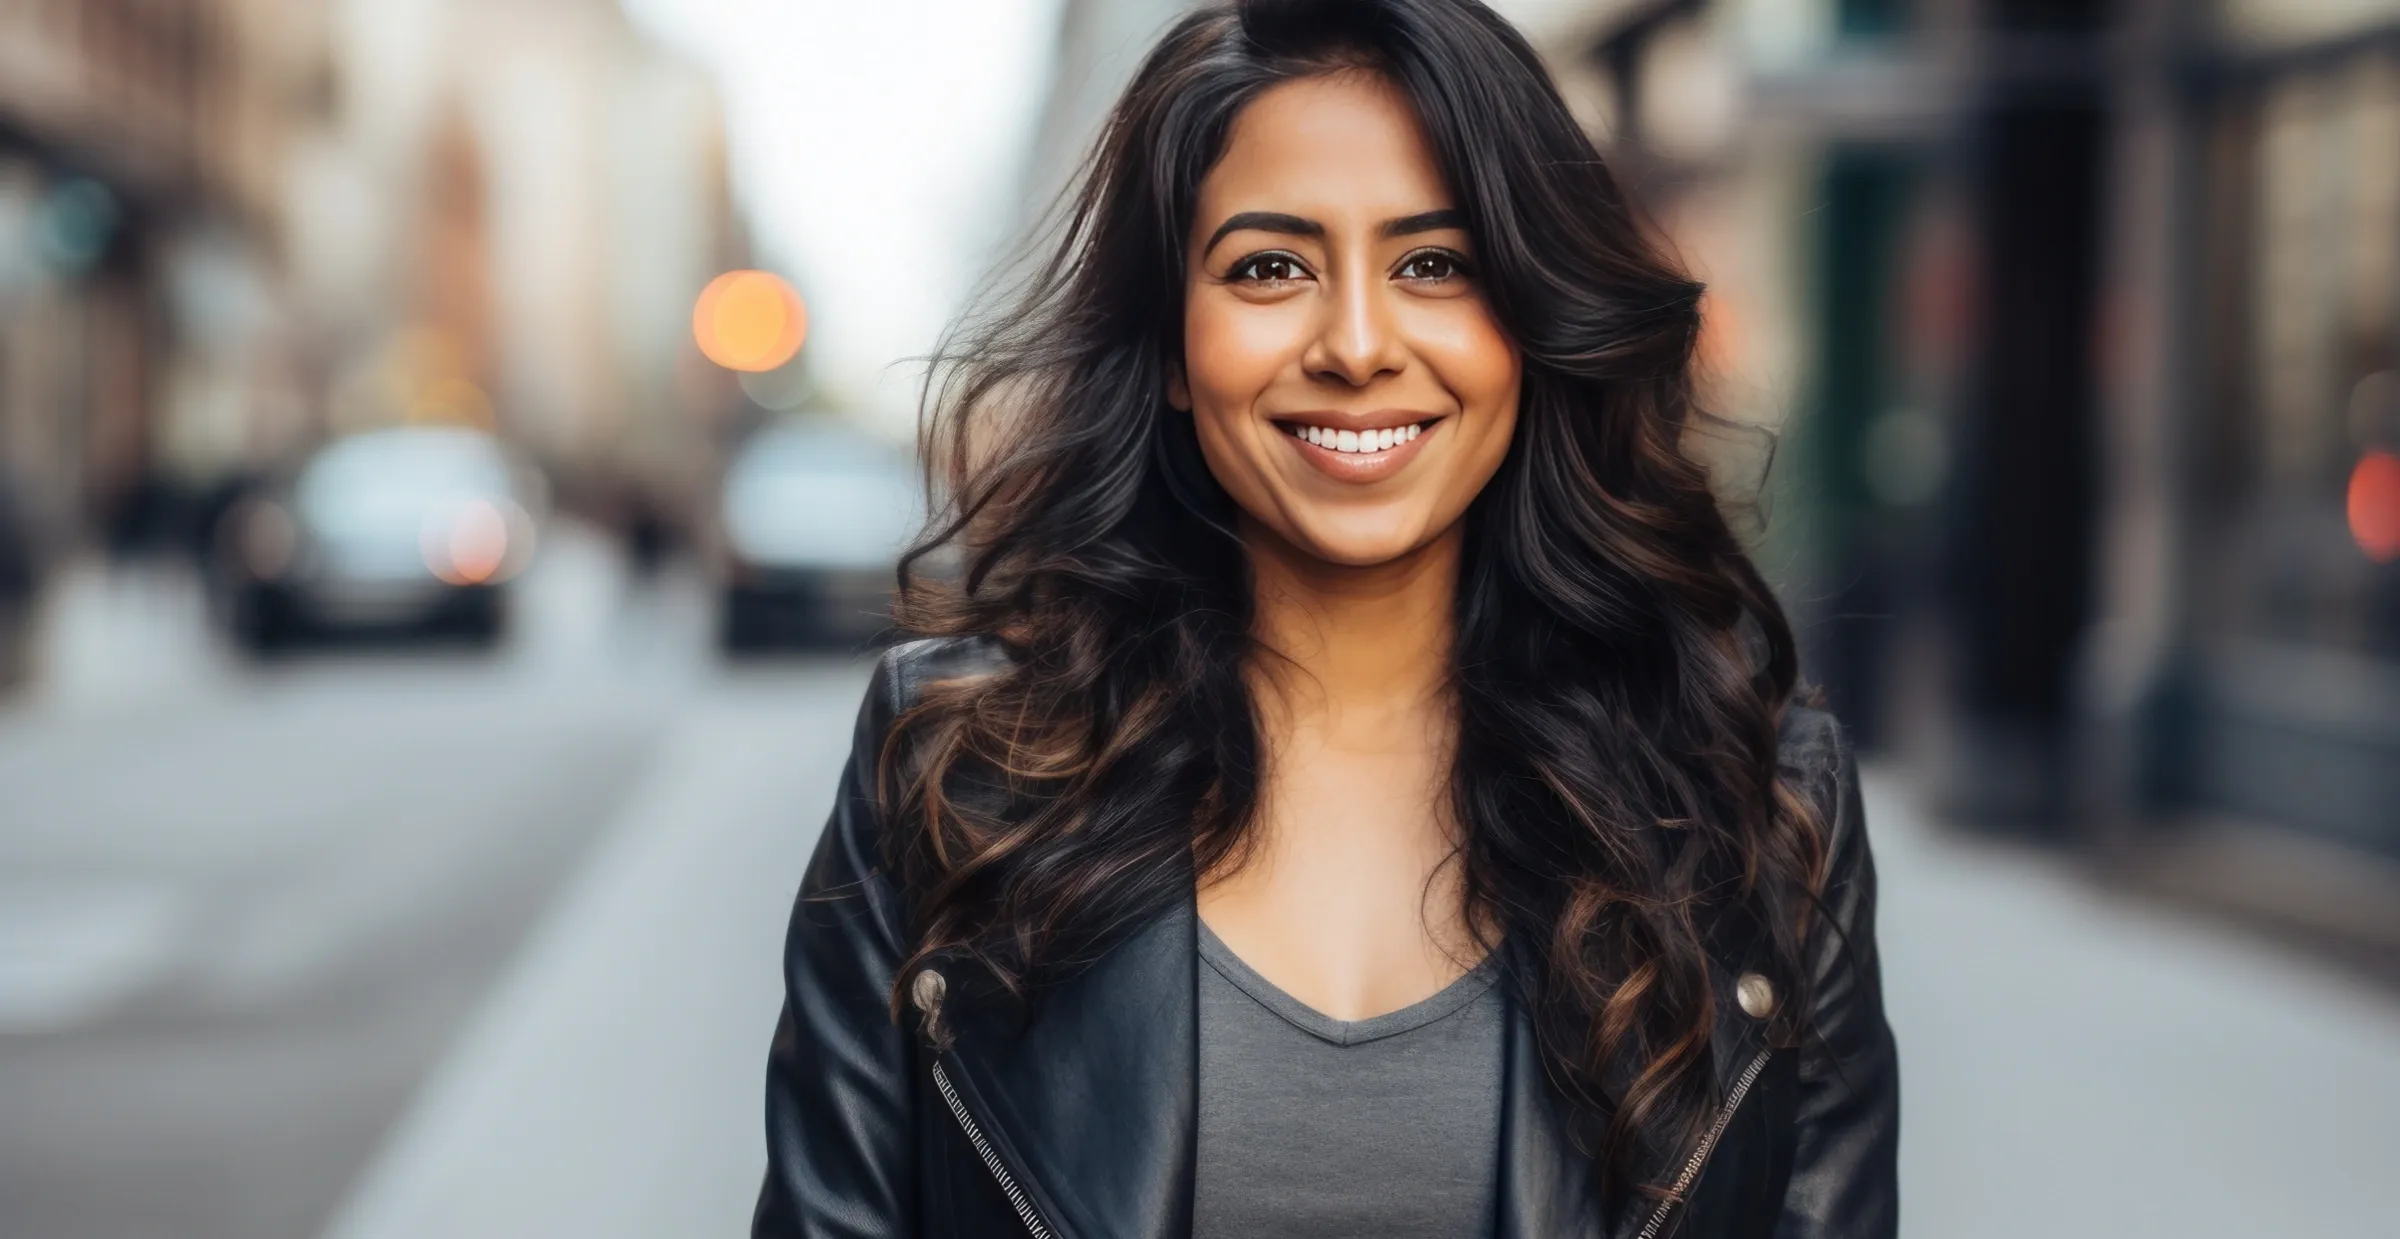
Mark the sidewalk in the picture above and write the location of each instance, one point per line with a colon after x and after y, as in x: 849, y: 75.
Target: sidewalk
x: 2077, y: 1063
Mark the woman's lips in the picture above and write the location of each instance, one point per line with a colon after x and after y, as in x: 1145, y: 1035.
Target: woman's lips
x: 1326, y: 456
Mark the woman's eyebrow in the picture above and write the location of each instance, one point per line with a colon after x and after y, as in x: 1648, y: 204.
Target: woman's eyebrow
x: 1301, y: 226
x: 1423, y: 221
x: 1265, y: 221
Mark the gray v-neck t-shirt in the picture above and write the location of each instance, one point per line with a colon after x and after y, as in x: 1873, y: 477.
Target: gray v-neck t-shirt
x: 1384, y: 1128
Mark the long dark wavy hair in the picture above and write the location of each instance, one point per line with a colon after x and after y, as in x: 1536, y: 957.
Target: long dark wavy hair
x: 1620, y: 666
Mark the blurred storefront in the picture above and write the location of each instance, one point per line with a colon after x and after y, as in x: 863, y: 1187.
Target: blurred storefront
x: 140, y: 149
x: 230, y: 228
x: 2280, y: 123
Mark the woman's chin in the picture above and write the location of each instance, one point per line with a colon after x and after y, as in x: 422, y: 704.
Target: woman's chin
x: 1352, y: 544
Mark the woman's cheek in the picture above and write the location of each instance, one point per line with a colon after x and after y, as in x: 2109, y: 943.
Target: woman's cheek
x: 1213, y: 393
x: 1235, y: 353
x: 1479, y: 363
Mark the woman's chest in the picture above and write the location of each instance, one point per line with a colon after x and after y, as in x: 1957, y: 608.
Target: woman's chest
x: 1349, y: 893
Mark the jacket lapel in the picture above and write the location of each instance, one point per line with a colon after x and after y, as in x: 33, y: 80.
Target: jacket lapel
x: 1094, y: 1099
x: 1546, y: 1189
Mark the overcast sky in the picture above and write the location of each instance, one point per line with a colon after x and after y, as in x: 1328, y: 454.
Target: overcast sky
x: 876, y: 146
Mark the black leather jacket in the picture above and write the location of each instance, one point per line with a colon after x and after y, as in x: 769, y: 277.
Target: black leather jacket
x: 1079, y: 1122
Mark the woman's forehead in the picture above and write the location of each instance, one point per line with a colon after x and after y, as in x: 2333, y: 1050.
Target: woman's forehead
x: 1341, y: 148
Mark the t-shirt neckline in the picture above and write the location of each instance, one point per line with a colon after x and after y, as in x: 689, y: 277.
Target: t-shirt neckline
x: 1443, y: 1002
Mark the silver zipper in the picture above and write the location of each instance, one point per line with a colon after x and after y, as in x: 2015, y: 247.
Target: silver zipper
x: 1708, y: 1144
x: 991, y: 1159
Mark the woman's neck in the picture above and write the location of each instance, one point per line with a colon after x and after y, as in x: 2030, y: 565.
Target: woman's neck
x: 1344, y: 893
x: 1350, y: 641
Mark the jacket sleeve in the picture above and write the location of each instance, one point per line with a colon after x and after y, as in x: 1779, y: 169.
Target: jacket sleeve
x: 1845, y: 1179
x: 841, y: 1152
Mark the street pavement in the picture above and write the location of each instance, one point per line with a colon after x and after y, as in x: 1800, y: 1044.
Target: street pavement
x: 245, y: 910
x: 482, y: 946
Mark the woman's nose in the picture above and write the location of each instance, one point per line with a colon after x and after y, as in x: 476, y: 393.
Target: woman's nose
x: 1355, y: 341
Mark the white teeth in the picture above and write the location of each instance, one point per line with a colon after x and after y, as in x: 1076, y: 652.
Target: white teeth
x: 1358, y: 441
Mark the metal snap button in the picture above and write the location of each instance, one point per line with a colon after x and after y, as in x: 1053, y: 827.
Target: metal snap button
x: 1756, y: 994
x: 927, y: 991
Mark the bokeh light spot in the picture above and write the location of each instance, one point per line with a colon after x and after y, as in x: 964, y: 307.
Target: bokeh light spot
x: 2375, y: 505
x: 468, y: 544
x: 750, y: 321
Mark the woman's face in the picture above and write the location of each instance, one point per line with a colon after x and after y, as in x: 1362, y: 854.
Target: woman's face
x: 1349, y: 385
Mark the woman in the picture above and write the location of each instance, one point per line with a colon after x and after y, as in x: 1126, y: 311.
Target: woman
x: 1355, y: 785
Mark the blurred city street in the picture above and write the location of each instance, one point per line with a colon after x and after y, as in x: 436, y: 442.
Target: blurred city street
x: 580, y: 342
x: 396, y: 943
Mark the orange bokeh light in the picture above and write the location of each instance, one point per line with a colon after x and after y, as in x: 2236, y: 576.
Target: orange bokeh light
x: 2375, y: 505
x: 749, y: 320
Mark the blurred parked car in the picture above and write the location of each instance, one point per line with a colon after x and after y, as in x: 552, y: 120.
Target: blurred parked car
x: 811, y: 522
x: 415, y: 528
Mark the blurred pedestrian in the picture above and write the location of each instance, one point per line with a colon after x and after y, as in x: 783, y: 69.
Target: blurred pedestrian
x: 19, y: 578
x: 1358, y: 784
x: 648, y: 537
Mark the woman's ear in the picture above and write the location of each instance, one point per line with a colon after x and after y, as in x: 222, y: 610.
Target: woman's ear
x: 1179, y: 392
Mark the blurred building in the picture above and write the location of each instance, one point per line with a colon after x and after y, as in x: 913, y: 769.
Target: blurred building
x: 508, y: 225
x: 229, y: 228
x: 605, y: 207
x: 141, y: 151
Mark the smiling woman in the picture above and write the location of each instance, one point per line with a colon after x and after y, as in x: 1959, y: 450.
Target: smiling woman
x: 1356, y: 783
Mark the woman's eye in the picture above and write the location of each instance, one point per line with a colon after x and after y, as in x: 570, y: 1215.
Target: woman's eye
x: 1269, y: 269
x: 1432, y: 266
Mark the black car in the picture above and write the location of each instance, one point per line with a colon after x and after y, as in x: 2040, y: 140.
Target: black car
x: 811, y: 521
x: 414, y: 528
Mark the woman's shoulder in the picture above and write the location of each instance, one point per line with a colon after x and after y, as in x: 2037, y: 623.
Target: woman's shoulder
x: 1813, y: 750
x: 1810, y: 739
x: 905, y: 669
x: 1814, y: 753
